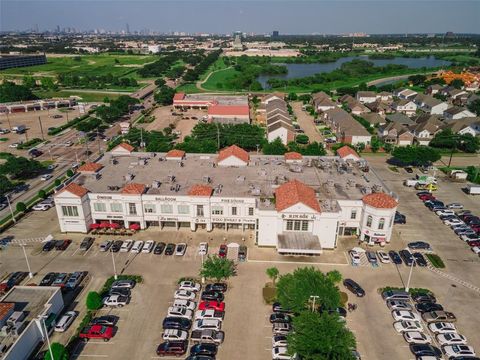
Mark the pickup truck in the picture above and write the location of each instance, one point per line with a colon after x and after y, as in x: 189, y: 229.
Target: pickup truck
x: 115, y: 300
x: 209, y: 314
x: 96, y: 332
x: 207, y: 336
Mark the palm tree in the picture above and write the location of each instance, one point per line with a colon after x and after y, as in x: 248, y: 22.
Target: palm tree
x: 272, y: 273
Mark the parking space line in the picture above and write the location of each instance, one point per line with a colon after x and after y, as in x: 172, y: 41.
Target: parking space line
x: 75, y: 252
x: 88, y: 250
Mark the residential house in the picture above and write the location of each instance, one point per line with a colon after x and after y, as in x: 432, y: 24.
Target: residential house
x: 366, y: 96
x: 396, y: 134
x: 278, y: 121
x: 430, y: 105
x: 468, y: 125
x: 404, y: 106
x: 405, y: 94
x: 347, y: 129
x: 455, y: 113
x: 434, y: 89
x: 373, y: 118
x: 385, y: 96
x: 380, y: 107
x: 452, y: 93
x: 355, y: 106
x: 322, y: 102
x: 425, y: 128
x: 400, y: 118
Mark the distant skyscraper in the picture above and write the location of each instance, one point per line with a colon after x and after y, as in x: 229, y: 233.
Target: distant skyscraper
x: 36, y: 28
x: 275, y: 33
x: 128, y: 28
x: 58, y: 28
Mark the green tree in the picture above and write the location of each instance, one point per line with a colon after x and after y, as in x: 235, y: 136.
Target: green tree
x: 47, y: 83
x: 10, y: 92
x: 302, y: 139
x: 70, y: 173
x: 57, y: 182
x: 360, y: 147
x: 215, y: 267
x: 21, y: 168
x: 457, y: 83
x: 164, y: 96
x: 320, y: 337
x: 416, y: 155
x: 272, y: 273
x: 94, y: 301
x: 474, y: 107
x: 294, y: 289
x: 160, y: 82
x: 29, y: 82
x: 5, y: 185
x: 292, y: 96
x: 335, y: 276
x: 21, y: 207
x: 275, y: 147
x: 59, y: 352
x: 375, y: 144
x: 388, y: 147
x: 42, y: 194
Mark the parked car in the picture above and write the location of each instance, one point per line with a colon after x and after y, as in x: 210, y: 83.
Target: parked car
x: 203, y: 248
x: 184, y: 295
x: 419, y: 245
x: 189, y: 285
x: 173, y: 322
x: 420, y: 259
x: 402, y: 326
x: 399, y: 315
x: 407, y: 257
x: 204, y: 324
x: 48, y: 279
x: 96, y: 332
x: 46, y: 177
x: 276, y: 307
x: 280, y: 317
x: 209, y: 314
x: 383, y: 257
x: 425, y: 350
x: 190, y: 305
x: 398, y: 305
x: 116, y: 246
x: 281, y: 328
x: 49, y: 245
x: 170, y: 249
x: 399, y: 218
x: 106, y: 320
x: 86, y: 243
x: 281, y: 352
x: 172, y: 348
x: 372, y: 258
x: 454, y: 351
x: 175, y: 335
x: 126, y: 246
x: 439, y: 316
x: 120, y: 291
x: 75, y: 279
x: 354, y: 287
x: 183, y: 312
x: 428, y: 307
x: 396, y: 259
x: 137, y: 246
x: 451, y: 339
x: 207, y: 336
x: 158, y: 250
x: 60, y: 280
x: 216, y: 287
x: 65, y: 321
x: 204, y: 349
x: 215, y: 305
x: 105, y: 245
x: 180, y: 249
x: 355, y: 257
x: 442, y: 327
x: 148, y: 246
x: 396, y: 295
x: 124, y: 283
x: 222, y: 252
x: 422, y: 298
x: 212, y: 295
x: 279, y: 340
x: 62, y: 245
x: 242, y: 253
x: 42, y: 207
x: 416, y: 337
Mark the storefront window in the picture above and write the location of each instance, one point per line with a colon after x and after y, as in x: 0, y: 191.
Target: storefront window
x: 150, y: 208
x: 69, y: 211
x: 353, y: 214
x: 115, y: 207
x: 101, y: 207
x: 250, y: 211
x: 166, y: 208
x: 369, y: 220
x: 381, y: 224
x: 304, y: 225
x: 217, y: 210
x: 183, y: 209
x: 132, y: 208
x: 297, y: 225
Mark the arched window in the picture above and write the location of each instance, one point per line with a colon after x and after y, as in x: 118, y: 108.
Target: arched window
x: 369, y: 221
x: 381, y: 223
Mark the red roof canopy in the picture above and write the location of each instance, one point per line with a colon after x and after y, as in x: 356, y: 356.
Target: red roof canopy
x: 233, y: 150
x: 380, y: 201
x: 294, y: 192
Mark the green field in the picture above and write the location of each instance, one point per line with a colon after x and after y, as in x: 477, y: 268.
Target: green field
x: 86, y: 65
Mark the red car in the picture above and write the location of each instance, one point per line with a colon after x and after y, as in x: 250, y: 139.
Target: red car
x: 215, y: 305
x: 96, y: 332
x: 426, y: 197
x: 474, y: 243
x: 223, y: 251
x: 176, y: 348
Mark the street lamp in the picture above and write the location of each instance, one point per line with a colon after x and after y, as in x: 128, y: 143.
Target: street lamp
x: 313, y: 298
x: 44, y: 327
x: 10, y: 207
x: 30, y: 275
x: 115, y: 276
x: 407, y: 288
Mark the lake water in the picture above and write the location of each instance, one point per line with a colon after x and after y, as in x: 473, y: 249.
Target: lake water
x: 304, y: 70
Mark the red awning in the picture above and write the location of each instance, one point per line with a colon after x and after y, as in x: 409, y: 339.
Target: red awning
x: 105, y: 225
x: 94, y: 226
x: 134, y: 226
x: 115, y: 226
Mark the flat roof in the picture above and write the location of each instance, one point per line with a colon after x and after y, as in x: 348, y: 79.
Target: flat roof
x: 30, y: 298
x: 299, y: 243
x: 330, y: 177
x: 220, y: 99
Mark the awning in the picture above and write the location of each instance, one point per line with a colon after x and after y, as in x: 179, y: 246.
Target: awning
x: 297, y: 243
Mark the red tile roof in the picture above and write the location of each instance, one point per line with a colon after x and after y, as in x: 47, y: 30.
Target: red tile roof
x: 233, y: 150
x: 175, y: 153
x: 294, y: 192
x: 200, y: 190
x: 5, y: 309
x: 133, y: 189
x: 344, y: 151
x: 90, y: 167
x: 179, y: 96
x: 240, y: 110
x: 380, y: 201
x: 125, y: 146
x: 74, y: 189
x: 293, y: 156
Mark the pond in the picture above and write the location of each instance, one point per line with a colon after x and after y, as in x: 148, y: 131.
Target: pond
x: 304, y: 70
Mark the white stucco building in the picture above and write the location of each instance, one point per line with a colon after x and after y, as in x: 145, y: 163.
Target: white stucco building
x: 297, y: 204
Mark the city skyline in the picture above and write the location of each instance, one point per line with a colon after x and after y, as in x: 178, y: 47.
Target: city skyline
x: 261, y: 17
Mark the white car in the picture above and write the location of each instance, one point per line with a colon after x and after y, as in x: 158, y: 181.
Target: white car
x: 455, y: 206
x: 115, y: 301
x: 452, y: 222
x: 451, y: 339
x: 398, y: 305
x: 207, y: 324
x: 402, y: 326
x: 203, y: 248
x: 190, y: 305
x: 68, y: 143
x: 280, y: 353
x: 126, y: 246
x: 442, y: 328
x: 42, y: 207
x: 14, y: 145
x: 137, y: 246
x: 148, y: 246
x: 476, y: 250
x: 355, y: 257
x: 209, y: 314
x: 174, y: 335
x: 184, y: 295
x: 46, y: 177
x: 189, y: 285
x: 182, y: 312
x: 416, y: 337
x: 445, y: 212
x: 279, y: 340
x: 399, y: 315
x: 383, y: 257
x: 458, y: 350
x: 65, y: 321
x: 471, y: 237
x: 180, y: 249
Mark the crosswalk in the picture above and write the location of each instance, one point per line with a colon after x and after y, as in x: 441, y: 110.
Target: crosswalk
x: 453, y: 278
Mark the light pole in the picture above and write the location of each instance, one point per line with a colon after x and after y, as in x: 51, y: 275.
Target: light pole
x: 10, y: 207
x: 30, y: 275
x: 44, y: 327
x: 115, y: 276
x: 407, y: 288
x: 313, y: 298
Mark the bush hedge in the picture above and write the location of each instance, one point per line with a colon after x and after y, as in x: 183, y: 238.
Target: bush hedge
x: 435, y: 260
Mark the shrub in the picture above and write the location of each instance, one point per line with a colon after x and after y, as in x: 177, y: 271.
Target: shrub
x: 21, y: 207
x: 94, y: 301
x: 59, y: 352
x: 269, y: 294
x: 436, y: 261
x: 42, y: 194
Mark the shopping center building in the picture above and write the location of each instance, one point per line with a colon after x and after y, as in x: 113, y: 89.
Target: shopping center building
x: 296, y: 204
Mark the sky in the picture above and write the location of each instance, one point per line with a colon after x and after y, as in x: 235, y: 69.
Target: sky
x: 264, y: 16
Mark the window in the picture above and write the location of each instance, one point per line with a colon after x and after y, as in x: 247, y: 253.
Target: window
x: 353, y: 214
x: 289, y: 224
x: 116, y: 207
x: 297, y: 225
x: 100, y: 207
x: 369, y: 220
x: 69, y: 211
x: 217, y: 210
x: 250, y: 211
x: 200, y: 210
x: 132, y: 208
x: 234, y: 211
x: 150, y: 208
x: 304, y: 225
x: 166, y: 209
x: 381, y: 223
x: 183, y: 209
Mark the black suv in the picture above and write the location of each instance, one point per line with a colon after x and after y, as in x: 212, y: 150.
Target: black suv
x: 117, y: 244
x: 106, y: 320
x: 399, y: 218
x: 428, y: 307
x: 86, y: 243
x: 170, y: 249
x: 48, y: 279
x: 49, y: 245
x: 179, y: 323
x: 425, y: 350
x: 419, y: 245
x: 407, y: 257
x: 354, y: 287
x: 396, y: 259
x: 159, y: 248
x: 204, y: 349
x: 212, y: 295
x: 222, y: 287
x: 420, y: 259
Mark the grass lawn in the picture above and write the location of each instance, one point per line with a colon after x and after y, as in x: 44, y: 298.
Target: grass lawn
x: 86, y: 96
x: 86, y: 65
x: 188, y: 88
x: 219, y: 77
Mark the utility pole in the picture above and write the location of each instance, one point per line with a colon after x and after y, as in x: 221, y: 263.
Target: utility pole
x: 41, y: 127
x: 8, y: 119
x: 407, y: 288
x: 114, y: 267
x: 30, y: 275
x: 10, y: 207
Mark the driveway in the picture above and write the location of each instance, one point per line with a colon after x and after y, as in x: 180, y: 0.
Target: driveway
x: 305, y: 120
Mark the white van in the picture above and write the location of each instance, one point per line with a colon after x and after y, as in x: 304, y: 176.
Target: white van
x: 137, y: 246
x: 148, y: 246
x: 126, y: 246
x: 65, y: 321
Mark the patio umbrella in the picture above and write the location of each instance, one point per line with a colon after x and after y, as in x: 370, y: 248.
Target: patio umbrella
x: 105, y: 225
x: 115, y: 226
x: 94, y: 226
x: 134, y: 226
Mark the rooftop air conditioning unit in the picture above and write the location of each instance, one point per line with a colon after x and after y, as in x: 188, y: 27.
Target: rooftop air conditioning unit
x: 129, y: 177
x: 156, y: 184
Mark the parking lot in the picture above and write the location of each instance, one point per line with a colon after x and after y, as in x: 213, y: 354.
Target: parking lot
x: 246, y: 325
